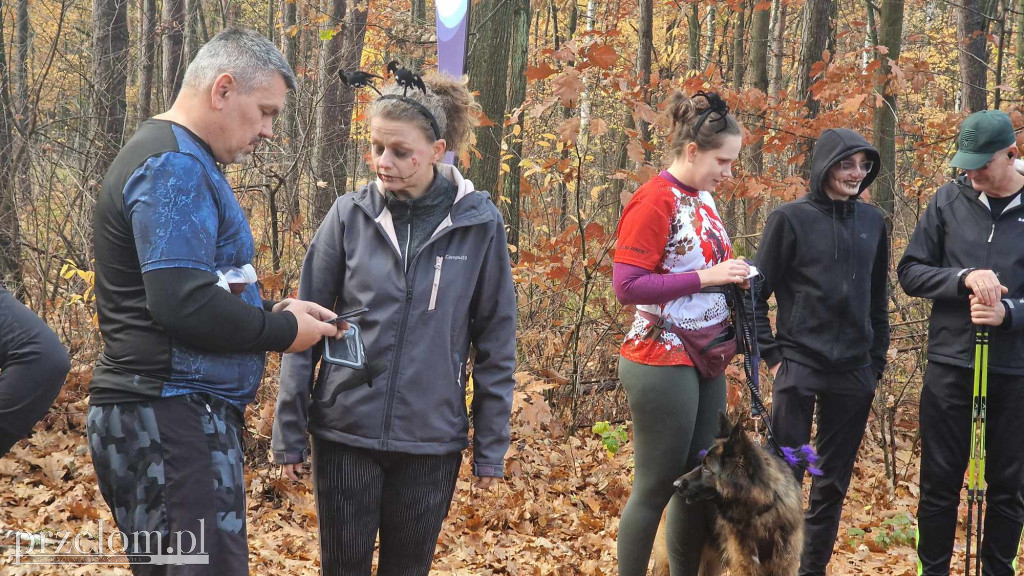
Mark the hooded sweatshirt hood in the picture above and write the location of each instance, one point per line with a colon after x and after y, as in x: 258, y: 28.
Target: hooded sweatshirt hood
x: 832, y: 146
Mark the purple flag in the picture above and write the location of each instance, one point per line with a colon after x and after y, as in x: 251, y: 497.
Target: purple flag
x: 452, y: 24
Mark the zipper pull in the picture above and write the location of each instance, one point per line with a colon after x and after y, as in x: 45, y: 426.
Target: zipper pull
x: 992, y: 233
x: 438, y: 262
x: 408, y: 294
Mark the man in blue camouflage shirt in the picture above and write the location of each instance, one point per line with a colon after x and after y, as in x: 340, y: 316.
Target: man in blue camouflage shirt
x: 185, y: 330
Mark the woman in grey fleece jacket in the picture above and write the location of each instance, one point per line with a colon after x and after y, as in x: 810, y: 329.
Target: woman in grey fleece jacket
x: 428, y: 256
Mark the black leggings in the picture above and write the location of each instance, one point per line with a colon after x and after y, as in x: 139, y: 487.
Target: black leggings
x: 360, y: 492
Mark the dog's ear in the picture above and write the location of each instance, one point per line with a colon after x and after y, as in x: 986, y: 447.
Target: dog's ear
x: 738, y: 434
x: 724, y: 426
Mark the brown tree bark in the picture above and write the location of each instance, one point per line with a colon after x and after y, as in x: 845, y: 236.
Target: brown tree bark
x: 488, y: 63
x: 971, y: 33
x: 511, y: 188
x: 290, y: 39
x: 1019, y: 52
x: 110, y: 72
x: 10, y: 242
x: 693, y: 33
x: 147, y: 57
x: 737, y: 55
x: 23, y: 43
x: 174, y: 43
x: 777, y: 48
x: 816, y: 19
x: 645, y: 50
x: 342, y: 53
x: 891, y: 36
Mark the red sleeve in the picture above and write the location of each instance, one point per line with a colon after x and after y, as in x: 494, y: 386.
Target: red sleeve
x: 644, y: 229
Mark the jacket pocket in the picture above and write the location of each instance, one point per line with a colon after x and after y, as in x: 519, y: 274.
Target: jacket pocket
x: 438, y: 262
x: 794, y: 316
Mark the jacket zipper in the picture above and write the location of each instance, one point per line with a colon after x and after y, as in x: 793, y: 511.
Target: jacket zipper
x: 396, y: 361
x: 405, y: 253
x: 437, y: 282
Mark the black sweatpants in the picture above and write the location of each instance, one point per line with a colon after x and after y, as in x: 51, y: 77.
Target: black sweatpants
x: 33, y: 364
x: 945, y: 451
x: 843, y: 401
x: 360, y: 492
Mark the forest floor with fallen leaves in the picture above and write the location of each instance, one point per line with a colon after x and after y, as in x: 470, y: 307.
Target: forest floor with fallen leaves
x: 556, y: 513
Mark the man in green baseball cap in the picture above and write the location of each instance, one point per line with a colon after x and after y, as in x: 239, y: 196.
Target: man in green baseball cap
x: 965, y: 256
x: 982, y: 135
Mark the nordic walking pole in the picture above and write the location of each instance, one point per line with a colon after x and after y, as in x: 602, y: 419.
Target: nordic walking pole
x: 976, y: 465
x: 982, y: 421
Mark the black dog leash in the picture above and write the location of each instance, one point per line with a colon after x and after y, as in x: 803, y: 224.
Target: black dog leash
x: 747, y: 345
x: 804, y: 457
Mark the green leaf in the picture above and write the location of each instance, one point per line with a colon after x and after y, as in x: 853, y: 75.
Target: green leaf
x: 601, y: 428
x: 327, y: 34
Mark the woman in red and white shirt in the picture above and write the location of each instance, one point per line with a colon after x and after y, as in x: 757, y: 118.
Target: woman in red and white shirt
x: 671, y: 244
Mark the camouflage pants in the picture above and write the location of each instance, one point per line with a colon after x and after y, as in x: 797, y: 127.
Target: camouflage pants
x: 171, y: 472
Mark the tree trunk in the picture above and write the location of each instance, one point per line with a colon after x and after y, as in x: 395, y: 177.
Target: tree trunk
x: 488, y: 62
x: 693, y: 31
x: 147, y: 56
x: 709, y: 41
x: 777, y: 49
x: 816, y: 20
x: 192, y: 37
x: 110, y: 72
x: 516, y: 96
x: 645, y: 50
x: 890, y: 36
x: 1020, y: 46
x: 21, y: 104
x: 757, y: 72
x: 24, y: 42
x: 871, y: 38
x: 737, y: 55
x: 10, y: 242
x: 1001, y: 27
x: 759, y: 39
x: 971, y: 31
x: 419, y: 19
x: 174, y: 40
x: 290, y: 37
x: 342, y: 52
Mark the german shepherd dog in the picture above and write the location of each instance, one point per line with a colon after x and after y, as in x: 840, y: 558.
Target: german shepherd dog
x: 755, y: 507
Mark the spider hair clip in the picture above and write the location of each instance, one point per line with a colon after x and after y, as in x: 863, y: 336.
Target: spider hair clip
x: 359, y: 79
x: 406, y: 78
x: 716, y: 105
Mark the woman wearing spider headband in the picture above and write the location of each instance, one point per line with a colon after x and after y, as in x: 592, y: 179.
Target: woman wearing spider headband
x: 671, y: 244
x: 428, y: 257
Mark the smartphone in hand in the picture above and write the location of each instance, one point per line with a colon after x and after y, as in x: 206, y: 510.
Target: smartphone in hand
x: 347, y: 315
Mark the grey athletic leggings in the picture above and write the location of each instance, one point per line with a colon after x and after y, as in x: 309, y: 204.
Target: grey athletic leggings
x: 675, y: 416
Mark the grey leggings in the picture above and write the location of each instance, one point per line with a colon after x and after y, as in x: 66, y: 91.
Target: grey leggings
x: 675, y: 416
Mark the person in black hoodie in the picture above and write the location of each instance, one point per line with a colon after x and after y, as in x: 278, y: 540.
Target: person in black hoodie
x: 965, y: 255
x: 825, y: 256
